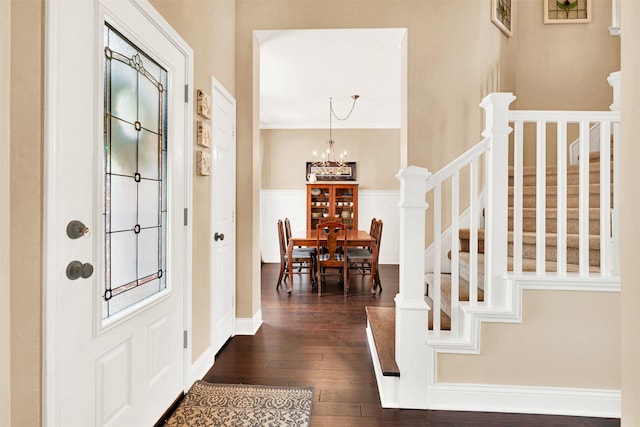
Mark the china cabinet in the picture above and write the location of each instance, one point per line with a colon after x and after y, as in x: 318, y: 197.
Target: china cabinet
x: 332, y: 201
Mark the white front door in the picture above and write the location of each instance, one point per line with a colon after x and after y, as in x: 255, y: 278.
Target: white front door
x: 117, y: 173
x: 223, y: 204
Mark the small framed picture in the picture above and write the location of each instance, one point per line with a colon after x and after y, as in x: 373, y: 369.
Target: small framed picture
x: 567, y: 11
x: 203, y: 163
x: 203, y: 134
x: 204, y: 104
x: 502, y: 16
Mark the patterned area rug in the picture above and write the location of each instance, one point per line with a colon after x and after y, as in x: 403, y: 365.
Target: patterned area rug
x: 221, y: 405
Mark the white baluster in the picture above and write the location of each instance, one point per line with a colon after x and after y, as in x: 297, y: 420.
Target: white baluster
x: 583, y: 211
x: 541, y: 194
x: 518, y: 170
x: 455, y: 243
x: 561, y: 184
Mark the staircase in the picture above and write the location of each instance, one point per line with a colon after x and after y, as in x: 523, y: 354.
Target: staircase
x: 487, y: 209
x: 529, y: 234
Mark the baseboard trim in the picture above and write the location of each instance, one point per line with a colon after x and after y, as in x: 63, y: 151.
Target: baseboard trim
x: 249, y: 325
x: 529, y: 400
x: 201, y: 366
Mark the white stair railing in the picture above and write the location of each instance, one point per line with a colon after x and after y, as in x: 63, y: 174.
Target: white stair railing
x: 541, y: 130
x: 467, y: 165
x: 552, y: 127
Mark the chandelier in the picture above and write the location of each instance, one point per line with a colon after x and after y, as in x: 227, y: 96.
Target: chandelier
x: 329, y: 165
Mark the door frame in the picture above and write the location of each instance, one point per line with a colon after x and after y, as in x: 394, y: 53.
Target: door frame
x: 52, y: 236
x: 217, y: 86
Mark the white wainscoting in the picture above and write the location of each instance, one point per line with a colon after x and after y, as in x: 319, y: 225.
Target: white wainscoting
x: 280, y: 204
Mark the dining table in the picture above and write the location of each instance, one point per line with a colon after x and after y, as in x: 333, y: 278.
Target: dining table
x: 355, y: 238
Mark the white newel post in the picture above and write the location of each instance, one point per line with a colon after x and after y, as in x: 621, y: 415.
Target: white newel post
x: 411, y: 309
x: 496, y: 106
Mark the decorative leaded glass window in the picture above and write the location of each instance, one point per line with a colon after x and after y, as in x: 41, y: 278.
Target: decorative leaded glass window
x: 135, y: 181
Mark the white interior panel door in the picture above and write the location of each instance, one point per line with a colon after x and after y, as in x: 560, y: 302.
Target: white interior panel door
x: 223, y: 202
x: 118, y: 128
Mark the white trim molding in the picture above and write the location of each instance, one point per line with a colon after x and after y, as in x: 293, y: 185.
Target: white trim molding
x: 529, y: 400
x: 200, y: 367
x: 249, y: 325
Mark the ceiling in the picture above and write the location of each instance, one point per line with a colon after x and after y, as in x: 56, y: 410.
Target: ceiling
x: 301, y: 69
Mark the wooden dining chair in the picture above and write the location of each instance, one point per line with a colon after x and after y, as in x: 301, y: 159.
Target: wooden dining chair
x: 361, y: 259
x: 334, y: 255
x: 302, y: 257
x: 302, y: 252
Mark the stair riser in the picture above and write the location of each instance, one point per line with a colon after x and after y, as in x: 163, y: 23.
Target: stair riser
x: 551, y: 252
x: 529, y: 224
x: 573, y: 178
x: 464, y: 246
x: 529, y: 252
x: 529, y: 201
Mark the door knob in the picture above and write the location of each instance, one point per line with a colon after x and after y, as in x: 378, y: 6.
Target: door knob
x: 76, y: 270
x: 218, y: 236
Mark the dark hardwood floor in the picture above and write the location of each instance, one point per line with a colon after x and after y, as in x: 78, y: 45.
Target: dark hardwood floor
x: 321, y: 342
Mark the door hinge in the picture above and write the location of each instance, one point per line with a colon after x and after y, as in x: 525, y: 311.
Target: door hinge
x: 185, y: 337
x: 186, y: 216
x: 186, y: 93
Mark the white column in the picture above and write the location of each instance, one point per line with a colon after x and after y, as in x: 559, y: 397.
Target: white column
x: 412, y: 356
x: 614, y: 29
x: 496, y: 106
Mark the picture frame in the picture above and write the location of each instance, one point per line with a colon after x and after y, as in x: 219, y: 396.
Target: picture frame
x: 332, y: 171
x: 203, y: 134
x: 203, y: 104
x: 203, y: 163
x: 502, y: 15
x: 567, y: 12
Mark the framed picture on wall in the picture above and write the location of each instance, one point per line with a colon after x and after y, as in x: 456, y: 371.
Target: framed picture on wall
x: 567, y: 11
x: 332, y: 171
x: 502, y: 16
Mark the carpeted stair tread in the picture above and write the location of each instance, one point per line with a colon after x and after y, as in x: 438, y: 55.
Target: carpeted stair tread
x: 528, y: 239
x: 553, y: 169
x: 551, y: 223
x: 527, y: 265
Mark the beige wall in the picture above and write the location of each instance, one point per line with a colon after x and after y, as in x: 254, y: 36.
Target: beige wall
x: 630, y: 205
x: 286, y: 151
x: 5, y: 244
x: 27, y: 45
x: 562, y: 66
x: 554, y: 346
x: 447, y: 76
x: 209, y: 28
